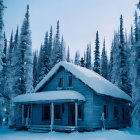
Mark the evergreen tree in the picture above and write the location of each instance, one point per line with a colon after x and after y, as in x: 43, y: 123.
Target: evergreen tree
x: 123, y: 77
x: 110, y: 66
x: 40, y: 64
x: 77, y: 58
x: 115, y: 72
x: 57, y: 45
x: 104, y: 62
x: 46, y: 56
x: 35, y: 68
x: 25, y: 60
x: 9, y: 69
x: 88, y: 56
x: 16, y: 57
x: 62, y: 47
x: 50, y: 49
x: 96, y: 67
x: 132, y: 36
x: 136, y: 26
x: 1, y: 33
x: 68, y: 55
x: 136, y: 74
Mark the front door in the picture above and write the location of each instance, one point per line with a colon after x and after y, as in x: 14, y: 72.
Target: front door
x: 71, y: 115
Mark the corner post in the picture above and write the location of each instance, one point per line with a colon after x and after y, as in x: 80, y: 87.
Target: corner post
x: 52, y: 116
x: 22, y: 114
x: 76, y: 113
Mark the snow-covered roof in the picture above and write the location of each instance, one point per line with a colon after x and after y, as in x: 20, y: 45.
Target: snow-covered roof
x: 49, y: 96
x: 90, y: 78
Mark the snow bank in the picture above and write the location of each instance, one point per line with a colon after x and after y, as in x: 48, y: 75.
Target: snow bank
x: 125, y: 134
x: 49, y: 96
x: 90, y: 78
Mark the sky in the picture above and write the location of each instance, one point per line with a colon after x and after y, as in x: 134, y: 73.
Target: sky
x: 79, y: 20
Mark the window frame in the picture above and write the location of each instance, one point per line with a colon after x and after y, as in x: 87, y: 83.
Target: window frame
x: 60, y: 84
x: 43, y: 112
x: 116, y: 112
x: 80, y: 108
x: 106, y: 112
x: 70, y: 81
x: 60, y: 111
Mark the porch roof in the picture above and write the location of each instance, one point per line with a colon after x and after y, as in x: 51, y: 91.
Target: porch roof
x: 49, y: 96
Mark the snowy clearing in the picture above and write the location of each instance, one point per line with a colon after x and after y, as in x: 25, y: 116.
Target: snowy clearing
x: 124, y: 134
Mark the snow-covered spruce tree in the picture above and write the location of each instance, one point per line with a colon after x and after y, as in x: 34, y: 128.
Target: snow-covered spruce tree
x: 115, y: 61
x: 77, y: 58
x: 110, y: 65
x: 9, y: 57
x: 57, y: 45
x: 131, y: 36
x: 50, y: 48
x: 35, y: 69
x: 68, y: 55
x: 123, y: 75
x: 136, y: 26
x: 25, y: 46
x: 40, y: 64
x: 88, y: 56
x: 62, y: 47
x: 104, y: 62
x: 136, y: 75
x: 1, y: 34
x: 46, y: 55
x: 96, y: 66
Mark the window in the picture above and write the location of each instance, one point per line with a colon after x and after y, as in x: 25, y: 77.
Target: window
x: 46, y: 112
x: 80, y: 111
x: 106, y: 112
x: 115, y: 112
x: 60, y: 82
x: 70, y: 81
x: 123, y: 113
x: 57, y: 111
x: 27, y: 111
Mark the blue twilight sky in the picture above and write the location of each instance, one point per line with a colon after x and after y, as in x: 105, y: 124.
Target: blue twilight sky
x: 79, y: 19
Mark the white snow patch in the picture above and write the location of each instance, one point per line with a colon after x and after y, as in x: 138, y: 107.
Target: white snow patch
x: 90, y: 78
x: 125, y: 134
x: 49, y: 95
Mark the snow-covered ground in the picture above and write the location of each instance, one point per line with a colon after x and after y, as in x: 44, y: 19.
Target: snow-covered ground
x: 124, y: 134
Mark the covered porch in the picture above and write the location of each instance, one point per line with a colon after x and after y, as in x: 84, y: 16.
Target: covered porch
x: 51, y: 111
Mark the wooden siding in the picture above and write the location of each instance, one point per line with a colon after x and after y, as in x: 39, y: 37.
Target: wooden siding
x: 94, y: 105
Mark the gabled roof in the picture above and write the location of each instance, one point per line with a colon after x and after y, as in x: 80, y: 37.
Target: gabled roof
x: 49, y: 96
x: 90, y: 78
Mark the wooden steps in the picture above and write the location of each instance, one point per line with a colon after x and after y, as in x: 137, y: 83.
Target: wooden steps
x: 39, y: 128
x: 47, y: 128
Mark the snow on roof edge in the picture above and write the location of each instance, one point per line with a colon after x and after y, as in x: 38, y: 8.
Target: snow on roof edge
x: 49, y: 96
x: 90, y: 78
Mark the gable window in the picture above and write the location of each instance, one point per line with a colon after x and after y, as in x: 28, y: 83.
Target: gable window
x: 60, y: 82
x: 80, y: 112
x: 69, y: 81
x: 46, y: 112
x: 115, y: 112
x: 106, y: 112
x: 57, y: 111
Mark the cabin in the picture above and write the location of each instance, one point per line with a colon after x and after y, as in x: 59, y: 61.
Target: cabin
x: 73, y: 98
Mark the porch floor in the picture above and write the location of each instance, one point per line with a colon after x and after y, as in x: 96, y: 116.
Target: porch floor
x: 47, y: 128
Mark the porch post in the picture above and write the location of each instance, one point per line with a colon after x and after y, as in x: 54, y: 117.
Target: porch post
x: 22, y: 114
x: 52, y: 115
x: 76, y: 113
x: 31, y: 114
